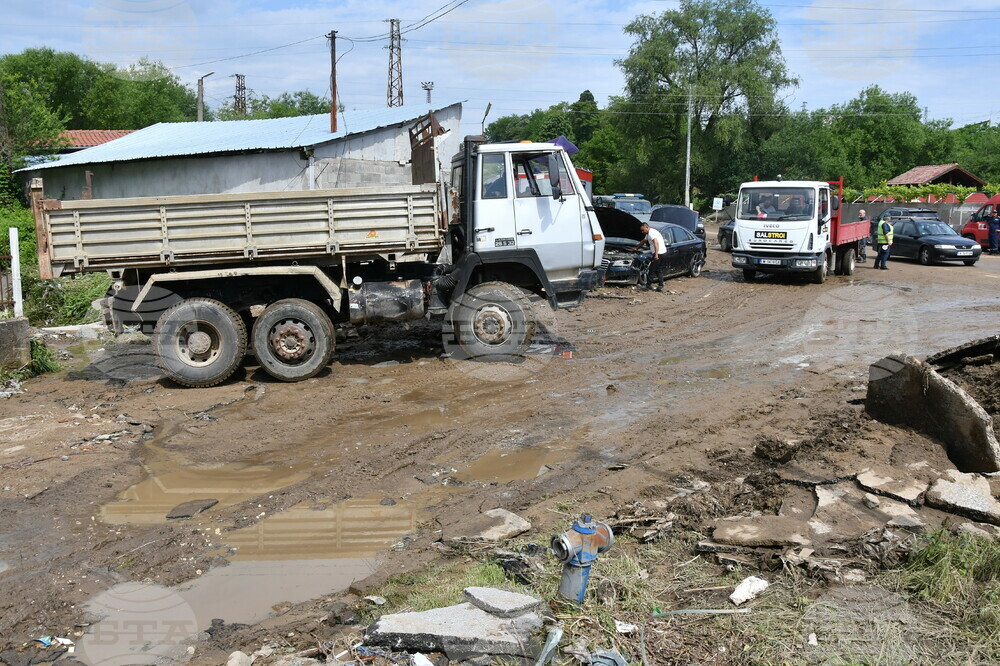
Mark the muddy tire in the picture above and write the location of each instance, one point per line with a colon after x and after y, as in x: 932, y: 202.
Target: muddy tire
x: 819, y: 275
x: 695, y: 265
x: 749, y: 275
x: 726, y: 244
x: 199, y: 342
x: 924, y: 257
x: 293, y: 339
x: 848, y: 261
x: 494, y: 321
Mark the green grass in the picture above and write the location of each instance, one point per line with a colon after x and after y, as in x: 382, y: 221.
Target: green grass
x: 42, y: 360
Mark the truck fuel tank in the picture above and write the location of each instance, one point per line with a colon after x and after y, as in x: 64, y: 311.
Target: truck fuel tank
x: 385, y: 301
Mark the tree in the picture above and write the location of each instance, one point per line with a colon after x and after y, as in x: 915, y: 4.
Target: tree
x: 723, y: 57
x: 27, y: 127
x: 285, y: 105
x: 90, y: 95
x: 584, y: 117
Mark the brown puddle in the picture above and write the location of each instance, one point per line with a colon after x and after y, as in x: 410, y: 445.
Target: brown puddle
x: 169, y: 483
x: 506, y: 465
x: 302, y: 553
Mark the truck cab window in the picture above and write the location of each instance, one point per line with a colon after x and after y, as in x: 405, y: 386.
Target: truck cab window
x: 531, y: 173
x: 494, y: 177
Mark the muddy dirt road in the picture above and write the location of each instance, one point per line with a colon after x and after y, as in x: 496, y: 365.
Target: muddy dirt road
x: 354, y: 473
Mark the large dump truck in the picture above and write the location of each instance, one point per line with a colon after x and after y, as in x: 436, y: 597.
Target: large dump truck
x: 213, y: 276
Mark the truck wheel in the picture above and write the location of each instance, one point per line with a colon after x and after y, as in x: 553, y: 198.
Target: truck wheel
x: 819, y: 275
x: 494, y: 321
x: 749, y: 275
x: 848, y: 262
x: 199, y: 342
x: 293, y: 339
x: 924, y: 257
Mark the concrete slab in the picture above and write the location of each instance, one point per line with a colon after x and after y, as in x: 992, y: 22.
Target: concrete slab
x: 842, y: 514
x: 892, y: 482
x: 773, y: 531
x: 492, y: 525
x: 813, y: 473
x: 15, y: 343
x: 500, y: 602
x: 965, y: 495
x: 191, y: 508
x: 904, y: 391
x: 460, y: 631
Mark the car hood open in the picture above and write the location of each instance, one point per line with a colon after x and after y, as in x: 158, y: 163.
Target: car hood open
x: 618, y: 224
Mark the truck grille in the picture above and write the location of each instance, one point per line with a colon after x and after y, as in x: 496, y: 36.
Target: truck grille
x: 771, y: 246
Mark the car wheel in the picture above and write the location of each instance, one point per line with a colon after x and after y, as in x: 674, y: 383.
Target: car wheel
x: 695, y: 265
x: 970, y: 262
x: 726, y: 243
x: 749, y: 275
x: 924, y: 257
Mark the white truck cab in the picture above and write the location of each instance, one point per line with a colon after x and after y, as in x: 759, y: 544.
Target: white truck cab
x: 792, y: 227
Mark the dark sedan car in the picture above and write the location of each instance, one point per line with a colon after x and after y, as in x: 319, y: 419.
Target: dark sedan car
x: 623, y: 265
x: 725, y: 236
x: 930, y: 241
x: 682, y: 216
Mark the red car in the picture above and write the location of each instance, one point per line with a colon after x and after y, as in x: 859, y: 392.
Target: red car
x: 976, y: 228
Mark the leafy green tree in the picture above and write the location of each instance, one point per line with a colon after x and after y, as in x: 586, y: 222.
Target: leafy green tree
x: 27, y: 127
x: 584, y: 117
x: 721, y: 55
x: 91, y: 95
x: 285, y: 105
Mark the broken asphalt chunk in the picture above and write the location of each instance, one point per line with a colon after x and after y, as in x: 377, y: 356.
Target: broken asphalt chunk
x: 774, y: 531
x: 192, y: 508
x: 892, y: 482
x: 965, y: 495
x: 500, y: 602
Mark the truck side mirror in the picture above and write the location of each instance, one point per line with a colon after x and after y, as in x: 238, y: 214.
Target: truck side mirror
x: 835, y: 200
x: 554, y: 176
x: 556, y: 190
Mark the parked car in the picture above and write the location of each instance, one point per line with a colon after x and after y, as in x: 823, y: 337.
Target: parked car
x: 977, y: 228
x: 682, y: 216
x: 922, y: 213
x: 929, y: 241
x: 622, y: 264
x: 725, y: 236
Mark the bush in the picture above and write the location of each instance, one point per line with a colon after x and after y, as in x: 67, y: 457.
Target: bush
x: 20, y: 217
x: 63, y: 301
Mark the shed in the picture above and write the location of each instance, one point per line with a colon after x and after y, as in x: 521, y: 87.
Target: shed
x: 933, y: 174
x: 371, y: 147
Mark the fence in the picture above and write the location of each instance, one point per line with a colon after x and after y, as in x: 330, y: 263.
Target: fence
x: 6, y: 278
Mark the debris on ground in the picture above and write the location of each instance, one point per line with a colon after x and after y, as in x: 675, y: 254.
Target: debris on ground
x: 493, y: 525
x: 749, y: 588
x: 461, y: 631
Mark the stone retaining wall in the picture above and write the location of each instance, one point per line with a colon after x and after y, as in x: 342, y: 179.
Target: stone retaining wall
x: 15, y: 343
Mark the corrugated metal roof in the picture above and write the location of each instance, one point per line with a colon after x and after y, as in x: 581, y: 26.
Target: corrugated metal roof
x: 929, y: 173
x: 89, y: 138
x: 233, y: 136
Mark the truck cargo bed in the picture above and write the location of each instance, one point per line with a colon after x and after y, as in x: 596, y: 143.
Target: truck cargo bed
x: 75, y: 236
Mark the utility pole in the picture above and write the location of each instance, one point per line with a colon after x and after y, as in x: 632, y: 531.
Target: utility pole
x: 240, y: 98
x: 428, y: 86
x: 687, y: 168
x: 201, y: 96
x: 333, y: 80
x: 394, y: 92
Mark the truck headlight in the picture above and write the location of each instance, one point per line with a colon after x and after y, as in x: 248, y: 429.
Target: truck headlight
x: 945, y: 247
x: 739, y: 260
x: 805, y: 263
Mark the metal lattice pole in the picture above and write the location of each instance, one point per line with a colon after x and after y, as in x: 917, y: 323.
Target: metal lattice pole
x: 428, y: 86
x: 394, y: 92
x: 240, y: 98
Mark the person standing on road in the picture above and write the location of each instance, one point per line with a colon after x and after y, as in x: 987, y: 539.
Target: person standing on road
x: 994, y: 225
x: 659, y: 249
x: 872, y: 232
x: 884, y: 240
x: 865, y: 242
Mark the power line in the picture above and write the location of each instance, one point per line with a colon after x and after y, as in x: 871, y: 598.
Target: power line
x: 247, y: 55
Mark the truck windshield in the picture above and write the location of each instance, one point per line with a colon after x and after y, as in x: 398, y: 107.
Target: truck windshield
x: 776, y: 203
x: 633, y: 205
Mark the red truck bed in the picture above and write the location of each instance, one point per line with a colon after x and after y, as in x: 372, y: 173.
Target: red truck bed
x: 845, y: 231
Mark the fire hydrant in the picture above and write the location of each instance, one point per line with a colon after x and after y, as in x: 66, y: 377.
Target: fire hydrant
x: 578, y: 549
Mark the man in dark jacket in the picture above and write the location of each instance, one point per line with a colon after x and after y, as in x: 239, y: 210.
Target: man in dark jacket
x: 994, y: 225
x: 865, y: 242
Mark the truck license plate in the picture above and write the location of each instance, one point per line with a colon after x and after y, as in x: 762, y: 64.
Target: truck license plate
x: 771, y: 235
x: 965, y: 253
x: 771, y: 262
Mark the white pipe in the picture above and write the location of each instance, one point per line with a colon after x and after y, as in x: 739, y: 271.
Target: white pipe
x: 15, y: 271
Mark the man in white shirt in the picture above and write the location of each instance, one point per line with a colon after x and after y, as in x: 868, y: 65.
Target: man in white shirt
x: 659, y: 249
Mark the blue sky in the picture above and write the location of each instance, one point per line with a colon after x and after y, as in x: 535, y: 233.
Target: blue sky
x: 516, y: 54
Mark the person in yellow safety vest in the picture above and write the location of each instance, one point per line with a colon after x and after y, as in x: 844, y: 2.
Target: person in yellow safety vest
x: 884, y: 241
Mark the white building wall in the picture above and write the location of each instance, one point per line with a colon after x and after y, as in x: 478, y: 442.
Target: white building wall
x: 379, y: 157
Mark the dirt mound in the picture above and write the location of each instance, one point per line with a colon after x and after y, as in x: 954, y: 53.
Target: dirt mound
x: 982, y: 382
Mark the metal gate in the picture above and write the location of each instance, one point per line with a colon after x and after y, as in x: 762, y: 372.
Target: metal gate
x: 6, y: 279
